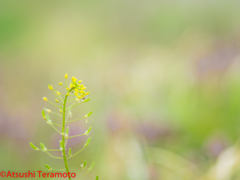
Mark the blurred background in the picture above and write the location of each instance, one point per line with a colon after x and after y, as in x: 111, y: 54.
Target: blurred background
x: 164, y: 83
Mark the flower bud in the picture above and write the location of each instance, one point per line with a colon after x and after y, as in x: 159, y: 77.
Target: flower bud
x: 50, y: 87
x: 44, y: 98
x: 66, y: 76
x: 60, y: 83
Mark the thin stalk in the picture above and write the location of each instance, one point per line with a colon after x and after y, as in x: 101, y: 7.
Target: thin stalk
x: 56, y: 114
x: 49, y: 150
x: 76, y: 136
x: 77, y: 152
x: 63, y: 136
x: 53, y: 156
x: 76, y: 119
x: 55, y: 128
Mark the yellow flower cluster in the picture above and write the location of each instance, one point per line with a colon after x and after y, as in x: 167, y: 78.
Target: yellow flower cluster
x: 77, y: 88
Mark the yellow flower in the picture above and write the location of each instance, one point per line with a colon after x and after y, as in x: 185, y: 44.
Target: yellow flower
x: 83, y: 88
x: 60, y: 110
x: 74, y: 79
x: 76, y: 90
x: 67, y: 89
x: 44, y: 117
x: 60, y: 83
x: 71, y: 85
x: 56, y: 100
x: 50, y: 87
x: 79, y: 97
x: 67, y: 94
x: 79, y: 81
x: 48, y: 110
x: 82, y: 92
x: 44, y: 98
x: 87, y: 93
x: 66, y: 76
x: 76, y: 94
x: 58, y: 93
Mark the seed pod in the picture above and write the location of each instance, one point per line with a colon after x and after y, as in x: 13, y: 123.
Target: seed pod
x: 48, y: 167
x: 86, y: 100
x: 34, y: 147
x: 89, y: 169
x: 48, y: 118
x: 88, y: 114
x: 43, y: 114
x: 67, y: 131
x: 70, y: 151
x: 88, y: 131
x: 88, y: 141
x: 84, y: 164
x: 43, y: 147
x: 61, y: 145
x: 96, y: 177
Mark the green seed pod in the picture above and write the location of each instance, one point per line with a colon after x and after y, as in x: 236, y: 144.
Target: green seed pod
x: 43, y: 147
x: 84, y: 164
x: 88, y: 131
x: 96, y: 177
x: 61, y: 145
x: 48, y: 118
x: 89, y: 169
x: 34, y: 147
x: 70, y: 151
x: 88, y: 141
x: 48, y: 167
x: 43, y: 114
x: 86, y: 100
x: 89, y: 114
x: 67, y: 131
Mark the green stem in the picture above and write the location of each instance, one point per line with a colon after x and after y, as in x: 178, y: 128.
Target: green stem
x: 63, y: 136
x: 76, y: 136
x: 76, y: 119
